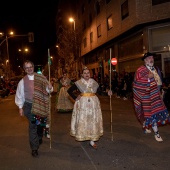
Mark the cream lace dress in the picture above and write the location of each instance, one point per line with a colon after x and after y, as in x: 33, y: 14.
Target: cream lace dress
x: 87, y: 122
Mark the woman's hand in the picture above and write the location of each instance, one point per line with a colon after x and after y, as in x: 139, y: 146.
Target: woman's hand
x: 78, y: 97
x: 109, y: 92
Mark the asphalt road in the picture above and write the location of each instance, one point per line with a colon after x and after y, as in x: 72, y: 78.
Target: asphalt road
x: 123, y: 145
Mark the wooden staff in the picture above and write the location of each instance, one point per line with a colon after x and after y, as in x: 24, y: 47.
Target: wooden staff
x: 111, y: 96
x: 49, y: 63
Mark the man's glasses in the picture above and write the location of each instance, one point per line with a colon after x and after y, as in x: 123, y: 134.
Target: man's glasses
x: 26, y: 68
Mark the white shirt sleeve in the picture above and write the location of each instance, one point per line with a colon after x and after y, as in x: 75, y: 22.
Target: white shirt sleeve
x: 19, y: 96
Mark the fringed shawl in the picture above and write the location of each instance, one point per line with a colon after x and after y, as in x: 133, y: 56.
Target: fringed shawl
x: 40, y: 105
x: 87, y: 87
x: 147, y: 100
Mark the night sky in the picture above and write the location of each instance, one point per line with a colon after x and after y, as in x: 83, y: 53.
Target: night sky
x: 38, y: 17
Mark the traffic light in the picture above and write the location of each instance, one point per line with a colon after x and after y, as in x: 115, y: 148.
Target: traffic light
x: 31, y: 37
x: 39, y: 71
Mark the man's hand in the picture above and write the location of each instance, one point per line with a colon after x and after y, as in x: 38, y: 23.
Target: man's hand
x: 49, y: 86
x: 110, y: 92
x: 21, y: 111
x: 150, y: 75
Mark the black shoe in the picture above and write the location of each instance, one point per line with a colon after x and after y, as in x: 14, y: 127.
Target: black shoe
x: 34, y: 153
x: 40, y: 141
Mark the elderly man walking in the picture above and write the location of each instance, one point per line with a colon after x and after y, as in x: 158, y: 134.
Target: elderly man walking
x: 149, y: 106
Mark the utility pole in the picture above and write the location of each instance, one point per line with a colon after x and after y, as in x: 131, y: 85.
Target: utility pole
x: 30, y: 39
x: 7, y: 51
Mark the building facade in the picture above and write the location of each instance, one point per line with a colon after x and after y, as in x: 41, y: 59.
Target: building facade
x: 124, y: 29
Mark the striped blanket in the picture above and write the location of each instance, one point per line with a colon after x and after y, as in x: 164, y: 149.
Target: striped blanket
x: 147, y: 101
x: 41, y: 103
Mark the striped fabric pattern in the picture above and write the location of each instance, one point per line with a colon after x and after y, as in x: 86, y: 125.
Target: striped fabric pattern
x: 147, y: 101
x: 40, y: 104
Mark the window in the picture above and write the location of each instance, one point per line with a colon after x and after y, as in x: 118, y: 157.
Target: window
x: 156, y: 2
x: 91, y: 59
x: 159, y: 39
x: 97, y: 7
x: 109, y: 22
x: 99, y: 31
x: 91, y: 37
x: 132, y: 46
x: 124, y: 10
x: 85, y: 42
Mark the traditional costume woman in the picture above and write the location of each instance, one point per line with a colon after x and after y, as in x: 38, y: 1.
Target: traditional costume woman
x: 86, y: 122
x: 63, y: 101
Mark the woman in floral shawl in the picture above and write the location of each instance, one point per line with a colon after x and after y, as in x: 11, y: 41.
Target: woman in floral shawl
x: 87, y: 121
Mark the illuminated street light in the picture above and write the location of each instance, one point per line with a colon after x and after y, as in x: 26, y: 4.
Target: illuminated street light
x: 25, y: 49
x: 76, y: 46
x: 24, y: 52
x: 7, y: 49
x: 73, y: 20
x: 30, y: 36
x: 7, y: 62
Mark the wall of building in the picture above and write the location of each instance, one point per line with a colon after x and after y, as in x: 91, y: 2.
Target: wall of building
x: 140, y: 11
x: 127, y: 47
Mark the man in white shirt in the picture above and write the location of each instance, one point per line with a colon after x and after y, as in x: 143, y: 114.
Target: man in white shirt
x: 32, y: 98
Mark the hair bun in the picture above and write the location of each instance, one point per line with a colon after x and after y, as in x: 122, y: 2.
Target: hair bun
x: 85, y: 68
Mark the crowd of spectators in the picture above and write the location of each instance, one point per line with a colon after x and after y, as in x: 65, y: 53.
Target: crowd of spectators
x: 7, y: 87
x: 166, y: 93
x: 121, y: 84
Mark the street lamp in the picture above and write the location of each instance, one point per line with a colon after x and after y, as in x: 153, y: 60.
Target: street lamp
x: 7, y: 62
x: 77, y: 47
x: 24, y: 51
x: 7, y: 48
x: 30, y: 36
x: 73, y: 20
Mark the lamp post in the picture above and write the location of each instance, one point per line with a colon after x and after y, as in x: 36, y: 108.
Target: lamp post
x: 30, y: 36
x: 7, y: 52
x: 73, y: 20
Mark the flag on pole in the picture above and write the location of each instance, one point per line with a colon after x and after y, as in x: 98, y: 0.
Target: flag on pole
x: 49, y: 57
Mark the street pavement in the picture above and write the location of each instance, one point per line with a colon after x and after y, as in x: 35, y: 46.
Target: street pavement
x: 123, y: 145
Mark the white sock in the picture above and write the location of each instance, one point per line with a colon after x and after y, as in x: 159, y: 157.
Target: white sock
x: 91, y: 142
x: 155, y: 128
